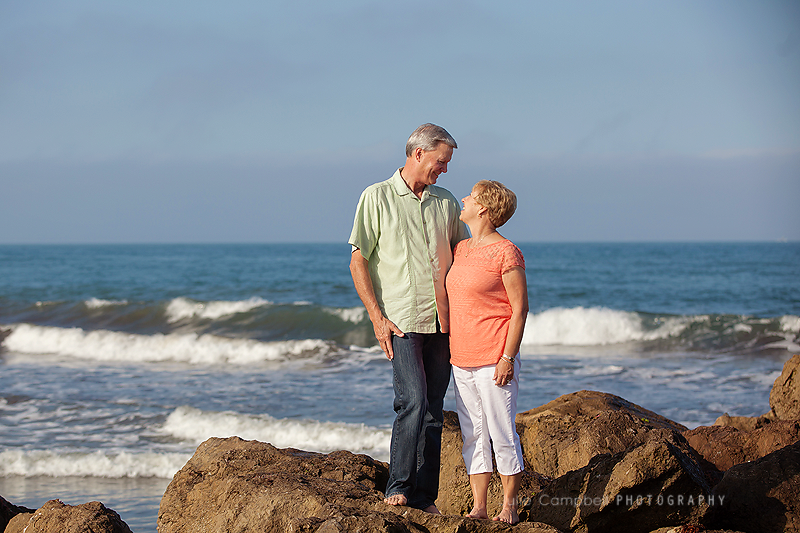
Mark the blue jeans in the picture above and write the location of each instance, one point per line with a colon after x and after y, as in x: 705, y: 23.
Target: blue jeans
x: 421, y: 374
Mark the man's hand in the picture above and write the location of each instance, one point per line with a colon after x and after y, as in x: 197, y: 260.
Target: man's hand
x: 384, y: 329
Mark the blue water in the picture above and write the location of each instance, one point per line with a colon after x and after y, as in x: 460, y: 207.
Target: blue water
x: 117, y: 361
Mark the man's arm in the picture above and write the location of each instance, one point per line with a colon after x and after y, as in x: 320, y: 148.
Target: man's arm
x: 384, y: 328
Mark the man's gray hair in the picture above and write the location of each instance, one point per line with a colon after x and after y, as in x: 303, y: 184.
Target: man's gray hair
x: 427, y: 137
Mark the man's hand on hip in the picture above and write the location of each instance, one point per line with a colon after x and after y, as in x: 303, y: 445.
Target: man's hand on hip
x: 384, y: 329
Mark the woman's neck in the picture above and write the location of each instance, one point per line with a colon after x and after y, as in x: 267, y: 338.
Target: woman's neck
x: 481, y: 231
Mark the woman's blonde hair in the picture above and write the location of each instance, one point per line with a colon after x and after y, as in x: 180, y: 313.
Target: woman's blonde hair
x: 499, y: 201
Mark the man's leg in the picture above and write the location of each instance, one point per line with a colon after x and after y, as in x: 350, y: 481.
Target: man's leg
x: 410, y: 406
x: 436, y: 359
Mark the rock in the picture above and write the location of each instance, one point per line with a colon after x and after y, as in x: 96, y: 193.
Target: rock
x: 9, y: 511
x: 655, y: 484
x: 784, y: 399
x: 568, y: 432
x: 726, y: 446
x: 57, y: 517
x: 760, y: 496
x: 744, y: 423
x: 237, y: 485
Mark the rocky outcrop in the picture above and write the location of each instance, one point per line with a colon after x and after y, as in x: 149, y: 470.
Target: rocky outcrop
x: 9, y: 511
x: 57, y: 517
x: 744, y: 423
x: 236, y: 485
x: 654, y: 484
x: 784, y: 399
x: 727, y: 446
x: 760, y: 496
x: 568, y: 432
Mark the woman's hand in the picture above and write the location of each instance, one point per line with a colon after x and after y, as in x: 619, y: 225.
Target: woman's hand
x: 503, y: 373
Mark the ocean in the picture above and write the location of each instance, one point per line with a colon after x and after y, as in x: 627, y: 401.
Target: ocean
x: 116, y: 361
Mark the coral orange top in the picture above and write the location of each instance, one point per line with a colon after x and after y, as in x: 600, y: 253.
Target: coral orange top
x: 479, y: 306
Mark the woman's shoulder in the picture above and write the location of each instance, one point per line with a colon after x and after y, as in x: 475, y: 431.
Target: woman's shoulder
x: 512, y: 255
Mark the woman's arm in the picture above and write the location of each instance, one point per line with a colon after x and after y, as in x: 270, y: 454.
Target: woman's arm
x: 516, y: 287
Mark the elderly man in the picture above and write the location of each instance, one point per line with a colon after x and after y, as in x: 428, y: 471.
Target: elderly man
x: 403, y: 237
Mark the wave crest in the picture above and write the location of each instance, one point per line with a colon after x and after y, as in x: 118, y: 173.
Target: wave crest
x: 103, y: 345
x: 190, y: 424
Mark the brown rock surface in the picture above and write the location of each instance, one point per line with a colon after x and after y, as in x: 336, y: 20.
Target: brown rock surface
x: 57, y: 517
x: 568, y: 432
x: 8, y: 511
x: 744, y: 423
x: 236, y: 485
x: 726, y: 446
x: 760, y: 496
x: 655, y: 484
x: 784, y: 399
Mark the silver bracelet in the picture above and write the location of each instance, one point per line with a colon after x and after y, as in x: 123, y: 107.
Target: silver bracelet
x: 508, y: 359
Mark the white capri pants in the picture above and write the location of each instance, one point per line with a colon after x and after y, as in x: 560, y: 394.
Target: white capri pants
x: 487, y: 415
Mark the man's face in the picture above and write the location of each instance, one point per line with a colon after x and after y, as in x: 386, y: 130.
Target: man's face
x: 434, y: 162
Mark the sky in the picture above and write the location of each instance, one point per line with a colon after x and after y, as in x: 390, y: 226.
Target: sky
x: 262, y: 121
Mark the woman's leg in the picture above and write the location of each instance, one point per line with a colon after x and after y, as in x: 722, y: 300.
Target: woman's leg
x: 510, y: 499
x: 500, y: 409
x: 476, y: 450
x: 480, y: 490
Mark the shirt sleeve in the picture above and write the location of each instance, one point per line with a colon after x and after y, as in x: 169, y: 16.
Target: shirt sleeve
x: 366, y: 225
x: 512, y: 257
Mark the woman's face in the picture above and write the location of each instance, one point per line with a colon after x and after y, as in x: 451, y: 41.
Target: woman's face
x: 471, y: 208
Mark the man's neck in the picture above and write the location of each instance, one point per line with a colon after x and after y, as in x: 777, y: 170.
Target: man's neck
x: 414, y: 186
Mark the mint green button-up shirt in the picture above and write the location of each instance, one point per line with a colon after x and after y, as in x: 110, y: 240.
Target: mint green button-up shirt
x: 408, y: 244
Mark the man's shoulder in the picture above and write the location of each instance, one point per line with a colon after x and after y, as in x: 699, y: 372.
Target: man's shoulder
x: 379, y: 188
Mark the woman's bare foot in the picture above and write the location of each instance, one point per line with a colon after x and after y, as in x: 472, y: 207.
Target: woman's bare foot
x: 478, y: 513
x: 396, y: 499
x: 509, y: 516
x: 432, y: 509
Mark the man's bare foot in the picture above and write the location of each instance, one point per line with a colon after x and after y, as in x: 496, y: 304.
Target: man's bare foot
x: 396, y: 499
x: 432, y: 509
x: 509, y: 516
x: 478, y: 513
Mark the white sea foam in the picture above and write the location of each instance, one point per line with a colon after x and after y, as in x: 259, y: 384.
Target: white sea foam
x: 594, y: 326
x: 190, y: 348
x: 195, y: 426
x: 791, y: 324
x: 183, y: 308
x: 32, y: 463
x: 349, y: 314
x: 97, y: 303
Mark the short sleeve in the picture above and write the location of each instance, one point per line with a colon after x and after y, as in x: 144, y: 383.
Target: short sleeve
x: 512, y: 257
x: 364, y: 235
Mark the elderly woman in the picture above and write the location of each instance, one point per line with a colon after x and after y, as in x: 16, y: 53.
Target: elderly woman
x: 488, y: 297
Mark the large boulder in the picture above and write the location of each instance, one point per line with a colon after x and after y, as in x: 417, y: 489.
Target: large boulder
x: 568, y: 432
x: 726, y: 446
x: 243, y: 486
x: 759, y: 496
x: 57, y: 517
x: 784, y: 399
x: 655, y: 484
x: 9, y: 511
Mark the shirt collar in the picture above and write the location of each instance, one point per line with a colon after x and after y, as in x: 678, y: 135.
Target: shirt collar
x: 401, y: 188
